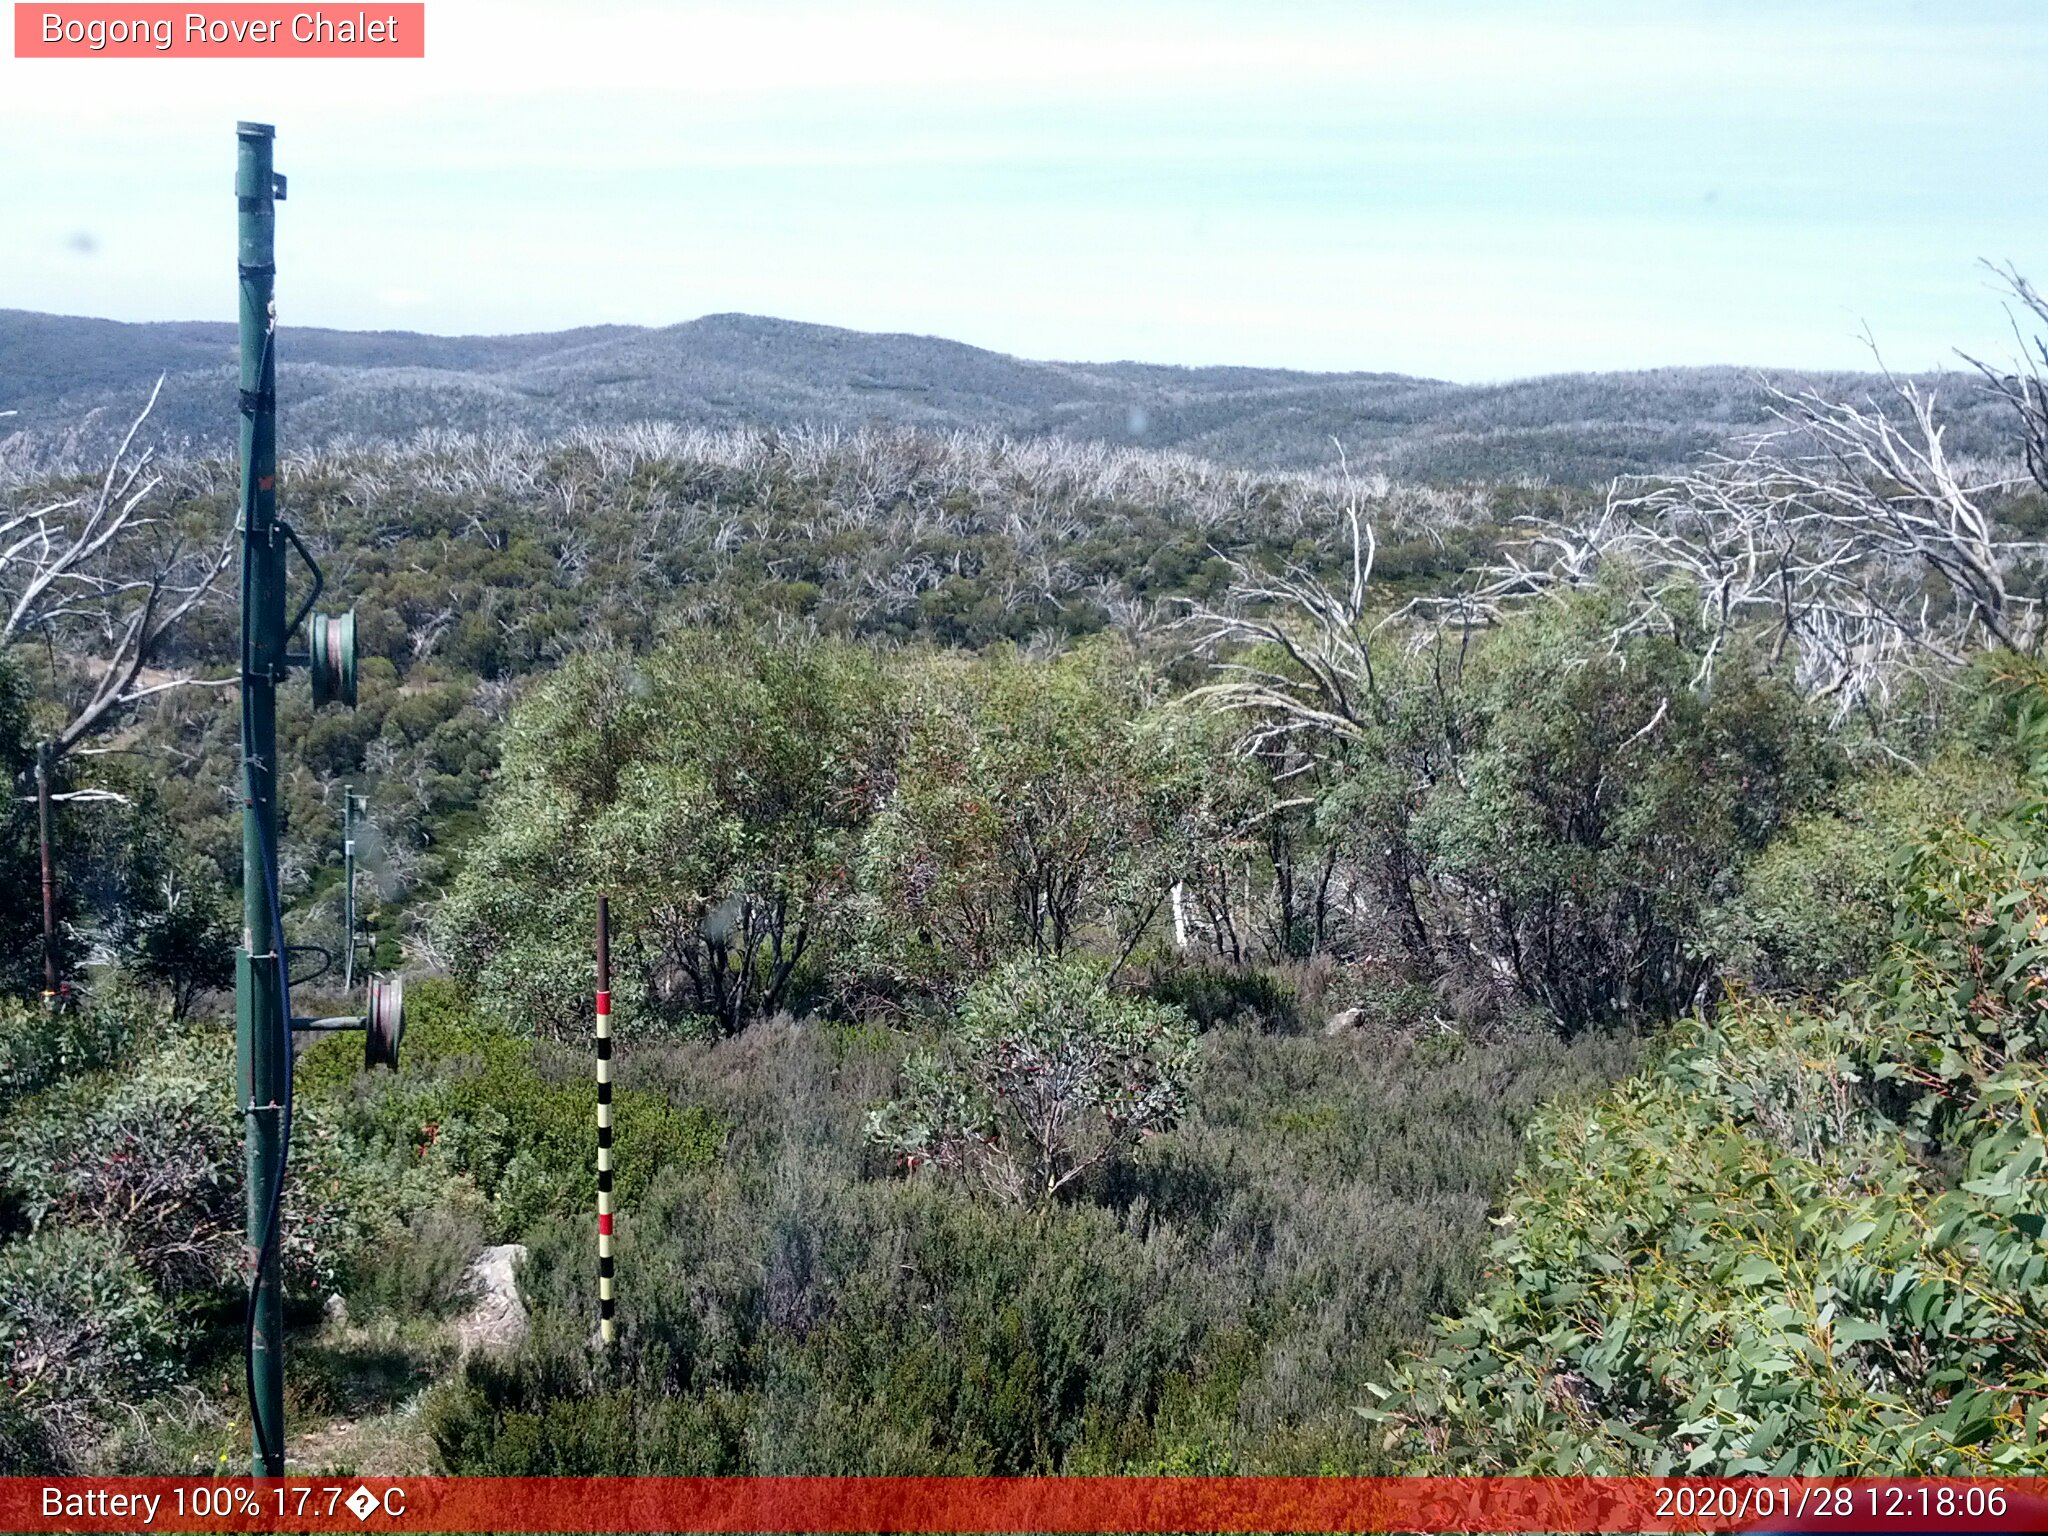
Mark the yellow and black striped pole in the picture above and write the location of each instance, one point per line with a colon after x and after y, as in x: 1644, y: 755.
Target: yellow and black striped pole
x: 605, y: 1327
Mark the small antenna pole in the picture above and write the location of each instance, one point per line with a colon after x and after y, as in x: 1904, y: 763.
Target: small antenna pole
x: 348, y: 890
x: 606, y: 1328
x: 50, y: 965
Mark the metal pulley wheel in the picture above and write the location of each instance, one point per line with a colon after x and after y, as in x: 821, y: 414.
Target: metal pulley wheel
x: 332, y: 644
x: 384, y: 1026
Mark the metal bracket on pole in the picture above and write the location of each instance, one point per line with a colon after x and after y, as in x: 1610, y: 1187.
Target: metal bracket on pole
x: 263, y: 1042
x: 264, y: 1022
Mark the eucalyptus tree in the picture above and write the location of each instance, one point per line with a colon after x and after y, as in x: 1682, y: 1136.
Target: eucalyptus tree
x: 715, y: 790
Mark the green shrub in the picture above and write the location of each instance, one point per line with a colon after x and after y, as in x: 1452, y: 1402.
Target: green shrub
x: 1034, y: 809
x: 596, y: 1434
x: 418, y: 1270
x: 187, y: 944
x: 39, y: 1047
x: 1047, y: 1076
x: 717, y: 789
x: 506, y: 1113
x: 122, y: 1177
x: 1963, y: 994
x: 81, y: 1329
x: 1216, y: 1305
x: 1808, y: 1242
x: 154, y: 1152
x: 1815, y: 908
x: 1213, y: 996
x: 1735, y: 1265
x: 1601, y: 804
x: 981, y: 1345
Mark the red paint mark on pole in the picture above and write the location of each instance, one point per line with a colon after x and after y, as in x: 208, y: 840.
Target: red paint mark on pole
x: 606, y: 1327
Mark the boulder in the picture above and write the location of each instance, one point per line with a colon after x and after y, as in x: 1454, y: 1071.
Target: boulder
x: 496, y: 1321
x: 1343, y: 1023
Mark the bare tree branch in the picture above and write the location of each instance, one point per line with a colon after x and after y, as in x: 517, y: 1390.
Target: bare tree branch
x: 102, y: 584
x: 1848, y: 536
x: 2024, y: 388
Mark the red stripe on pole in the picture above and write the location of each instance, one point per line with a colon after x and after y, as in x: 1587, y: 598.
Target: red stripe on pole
x: 606, y: 1331
x: 1018, y: 1504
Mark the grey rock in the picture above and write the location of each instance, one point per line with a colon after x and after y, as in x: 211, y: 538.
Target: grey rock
x: 1343, y: 1023
x: 496, y: 1321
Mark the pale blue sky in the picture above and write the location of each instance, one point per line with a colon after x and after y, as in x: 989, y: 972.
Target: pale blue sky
x: 1469, y: 190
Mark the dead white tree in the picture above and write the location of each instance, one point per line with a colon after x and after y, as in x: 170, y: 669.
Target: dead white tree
x: 1849, y: 542
x: 101, y: 580
x: 1295, y: 654
x: 1302, y: 662
x: 2025, y: 386
x: 1847, y: 536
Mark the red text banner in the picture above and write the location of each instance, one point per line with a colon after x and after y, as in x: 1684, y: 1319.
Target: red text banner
x: 997, y: 1504
x: 232, y: 31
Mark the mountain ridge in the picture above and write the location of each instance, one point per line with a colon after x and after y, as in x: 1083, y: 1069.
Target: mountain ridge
x: 75, y: 381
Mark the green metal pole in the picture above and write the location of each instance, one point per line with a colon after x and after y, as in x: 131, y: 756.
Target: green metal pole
x: 261, y: 1046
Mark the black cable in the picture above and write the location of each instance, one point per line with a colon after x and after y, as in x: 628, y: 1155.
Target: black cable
x: 272, y: 1450
x: 272, y: 1219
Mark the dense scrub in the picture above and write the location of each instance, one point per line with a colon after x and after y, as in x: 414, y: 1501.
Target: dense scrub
x: 794, y: 1297
x: 1810, y: 1239
x: 477, y: 564
x: 1053, y: 1036
x: 121, y: 1213
x: 1569, y: 806
x: 1542, y: 822
x: 806, y: 1304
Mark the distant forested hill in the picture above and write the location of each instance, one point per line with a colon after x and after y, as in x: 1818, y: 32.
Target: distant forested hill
x: 73, y: 381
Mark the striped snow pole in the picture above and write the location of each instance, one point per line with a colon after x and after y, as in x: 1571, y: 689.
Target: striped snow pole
x: 605, y: 1327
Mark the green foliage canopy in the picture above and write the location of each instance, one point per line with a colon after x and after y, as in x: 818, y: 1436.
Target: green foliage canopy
x: 1047, y: 1075
x: 716, y: 791
x: 1035, y: 808
x: 1811, y: 1241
